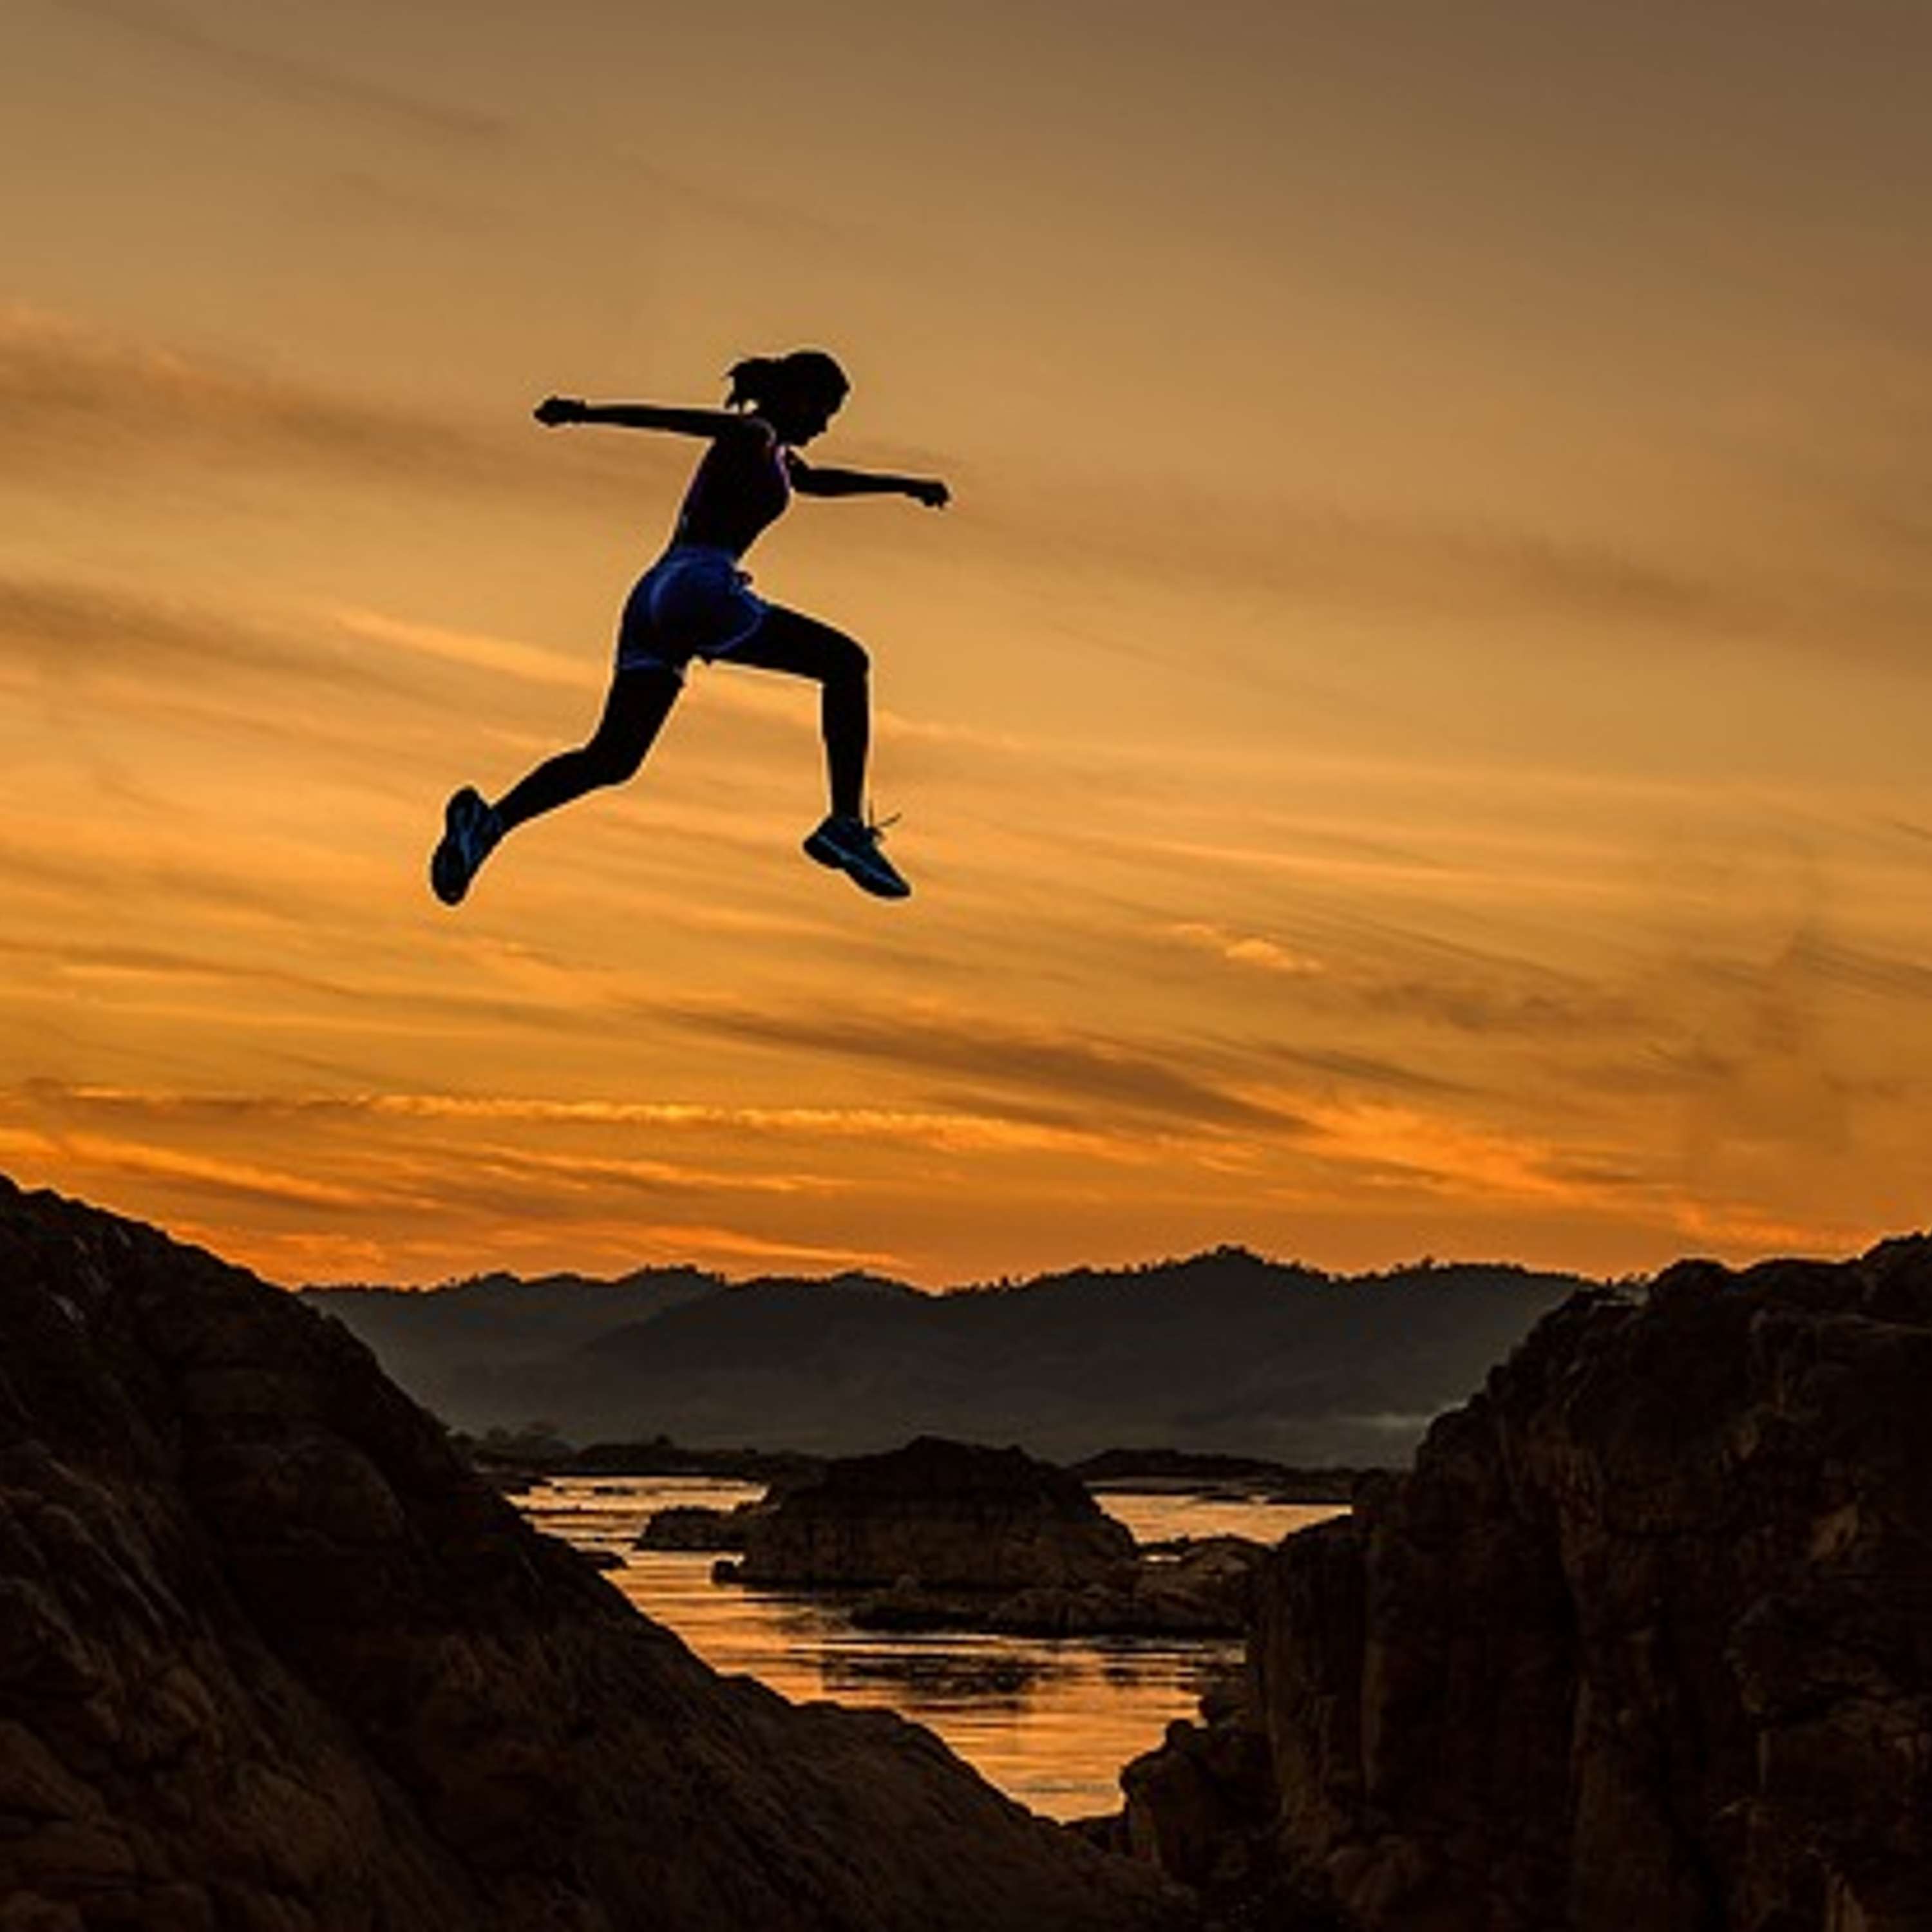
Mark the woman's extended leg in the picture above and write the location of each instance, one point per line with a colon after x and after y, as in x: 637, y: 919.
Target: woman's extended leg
x: 788, y: 641
x: 640, y: 701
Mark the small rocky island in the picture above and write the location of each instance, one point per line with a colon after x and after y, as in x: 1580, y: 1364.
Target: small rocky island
x: 952, y: 1534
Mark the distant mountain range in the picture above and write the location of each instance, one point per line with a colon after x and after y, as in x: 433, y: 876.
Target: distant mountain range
x: 1224, y: 1351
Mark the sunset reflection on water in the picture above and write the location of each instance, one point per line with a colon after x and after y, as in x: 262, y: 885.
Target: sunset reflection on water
x: 1050, y: 1721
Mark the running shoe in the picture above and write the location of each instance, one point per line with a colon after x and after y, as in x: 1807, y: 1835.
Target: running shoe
x: 470, y: 830
x: 851, y: 846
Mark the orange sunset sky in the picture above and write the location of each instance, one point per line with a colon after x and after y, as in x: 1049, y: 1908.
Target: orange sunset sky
x: 1412, y: 737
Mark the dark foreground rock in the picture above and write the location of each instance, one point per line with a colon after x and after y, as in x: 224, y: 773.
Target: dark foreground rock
x: 1645, y: 1641
x: 949, y: 1516
x: 272, y: 1659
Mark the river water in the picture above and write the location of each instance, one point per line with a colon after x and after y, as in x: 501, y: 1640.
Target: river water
x: 1050, y: 1720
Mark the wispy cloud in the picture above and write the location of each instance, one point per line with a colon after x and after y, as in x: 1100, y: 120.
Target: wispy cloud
x: 1321, y: 556
x: 506, y: 657
x: 98, y: 1157
x: 1861, y: 600
x: 1456, y: 1156
x: 77, y: 401
x: 1867, y: 972
x: 290, y: 78
x: 1248, y: 949
x: 657, y: 1177
x: 964, y: 1130
x: 82, y: 955
x: 1041, y: 1060
x: 1365, y: 1069
x: 332, y: 90
x: 79, y: 632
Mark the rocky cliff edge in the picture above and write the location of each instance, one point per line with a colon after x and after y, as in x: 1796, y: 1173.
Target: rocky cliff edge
x: 1645, y: 1640
x: 271, y: 1659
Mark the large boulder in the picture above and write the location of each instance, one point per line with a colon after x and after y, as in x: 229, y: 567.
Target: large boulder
x: 273, y: 1659
x: 1644, y: 1640
x: 946, y: 1515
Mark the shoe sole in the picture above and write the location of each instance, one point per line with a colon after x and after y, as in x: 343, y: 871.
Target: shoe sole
x: 825, y: 852
x: 448, y: 878
x: 829, y: 855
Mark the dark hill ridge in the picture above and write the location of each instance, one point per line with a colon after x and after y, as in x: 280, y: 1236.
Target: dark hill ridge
x: 451, y: 1346
x: 272, y: 1659
x: 1223, y: 1352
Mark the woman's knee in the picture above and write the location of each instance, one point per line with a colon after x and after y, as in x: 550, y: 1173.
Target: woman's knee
x: 847, y: 661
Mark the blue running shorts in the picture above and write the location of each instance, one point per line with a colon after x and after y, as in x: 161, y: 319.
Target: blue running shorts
x: 693, y: 601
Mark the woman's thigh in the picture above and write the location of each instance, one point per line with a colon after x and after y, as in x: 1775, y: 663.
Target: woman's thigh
x: 787, y: 640
x: 639, y: 702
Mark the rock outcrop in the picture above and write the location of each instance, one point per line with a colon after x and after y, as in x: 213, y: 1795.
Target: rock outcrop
x: 1644, y: 1641
x: 696, y: 1526
x: 947, y: 1515
x: 273, y: 1659
x: 1199, y: 1588
x: 970, y: 1538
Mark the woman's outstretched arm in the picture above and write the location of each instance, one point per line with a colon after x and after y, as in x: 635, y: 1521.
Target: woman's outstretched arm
x: 809, y: 480
x: 554, y: 411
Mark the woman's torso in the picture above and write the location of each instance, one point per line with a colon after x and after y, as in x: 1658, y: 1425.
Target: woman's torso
x: 741, y: 486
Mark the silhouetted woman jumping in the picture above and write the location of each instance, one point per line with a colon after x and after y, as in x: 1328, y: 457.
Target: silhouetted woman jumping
x: 695, y: 602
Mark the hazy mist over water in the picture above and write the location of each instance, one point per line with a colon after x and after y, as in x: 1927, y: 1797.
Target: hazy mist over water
x: 1050, y: 1721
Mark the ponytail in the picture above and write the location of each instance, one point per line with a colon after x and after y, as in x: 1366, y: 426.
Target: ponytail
x: 752, y: 380
x: 758, y: 380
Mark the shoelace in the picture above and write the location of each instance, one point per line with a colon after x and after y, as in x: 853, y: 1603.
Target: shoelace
x: 875, y: 827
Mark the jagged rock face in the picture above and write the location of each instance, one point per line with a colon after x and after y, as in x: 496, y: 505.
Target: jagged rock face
x: 273, y: 1660
x: 949, y: 1516
x: 1645, y: 1639
x: 1200, y: 1807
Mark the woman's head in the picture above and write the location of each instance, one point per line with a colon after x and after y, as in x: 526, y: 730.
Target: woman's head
x: 798, y: 394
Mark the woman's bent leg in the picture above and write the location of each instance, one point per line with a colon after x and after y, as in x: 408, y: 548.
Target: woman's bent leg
x: 784, y: 641
x: 789, y: 641
x: 640, y: 701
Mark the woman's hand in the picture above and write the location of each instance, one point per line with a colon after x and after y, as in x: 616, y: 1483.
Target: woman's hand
x: 554, y: 410
x: 933, y: 493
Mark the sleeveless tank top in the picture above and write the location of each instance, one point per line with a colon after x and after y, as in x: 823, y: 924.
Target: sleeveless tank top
x: 738, y: 491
